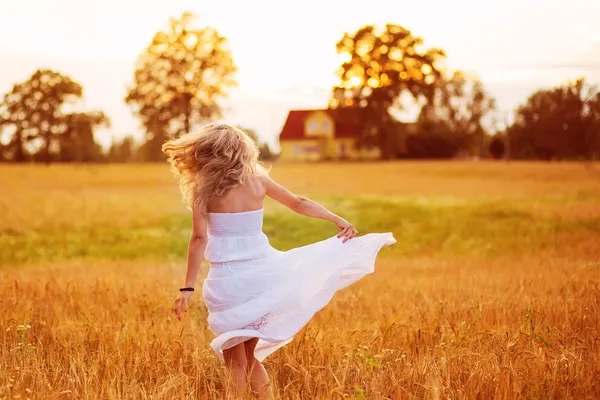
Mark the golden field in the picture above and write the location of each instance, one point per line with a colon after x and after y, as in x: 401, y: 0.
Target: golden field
x: 492, y: 291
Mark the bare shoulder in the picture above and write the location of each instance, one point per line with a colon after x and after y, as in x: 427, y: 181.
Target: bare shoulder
x: 264, y: 179
x: 269, y: 184
x: 279, y: 193
x: 260, y: 184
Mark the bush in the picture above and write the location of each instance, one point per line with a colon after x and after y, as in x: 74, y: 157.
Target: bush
x: 432, y: 145
x: 497, y: 147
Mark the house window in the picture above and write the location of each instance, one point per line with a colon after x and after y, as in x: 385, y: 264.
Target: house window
x: 312, y: 126
x: 296, y: 149
x: 326, y: 125
x: 315, y: 149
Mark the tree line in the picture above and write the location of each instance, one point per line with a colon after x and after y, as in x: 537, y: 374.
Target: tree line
x: 185, y: 72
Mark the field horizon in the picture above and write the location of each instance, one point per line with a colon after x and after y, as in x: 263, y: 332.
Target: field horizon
x: 492, y: 291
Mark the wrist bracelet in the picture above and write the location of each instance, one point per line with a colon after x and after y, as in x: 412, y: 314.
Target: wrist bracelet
x: 186, y: 289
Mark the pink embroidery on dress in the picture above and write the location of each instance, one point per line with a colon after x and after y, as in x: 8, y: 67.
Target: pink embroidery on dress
x: 256, y: 325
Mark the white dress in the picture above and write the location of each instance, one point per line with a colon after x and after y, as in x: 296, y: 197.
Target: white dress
x: 255, y: 291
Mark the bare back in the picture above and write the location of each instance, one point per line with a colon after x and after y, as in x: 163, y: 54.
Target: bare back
x: 246, y: 197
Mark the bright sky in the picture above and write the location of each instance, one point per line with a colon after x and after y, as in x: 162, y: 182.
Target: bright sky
x: 285, y: 50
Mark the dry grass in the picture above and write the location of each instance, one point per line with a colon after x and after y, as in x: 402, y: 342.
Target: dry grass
x: 438, y: 322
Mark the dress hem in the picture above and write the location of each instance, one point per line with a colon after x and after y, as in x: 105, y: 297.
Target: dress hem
x: 269, y: 343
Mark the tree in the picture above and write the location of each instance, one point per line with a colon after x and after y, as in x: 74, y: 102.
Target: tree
x: 3, y: 155
x: 592, y: 115
x: 327, y: 147
x: 122, y: 150
x: 77, y: 141
x: 251, y: 133
x: 265, y: 152
x: 33, y: 110
x: 497, y: 147
x: 458, y: 110
x: 7, y: 150
x: 379, y: 67
x: 558, y: 123
x: 179, y: 79
x: 33, y: 113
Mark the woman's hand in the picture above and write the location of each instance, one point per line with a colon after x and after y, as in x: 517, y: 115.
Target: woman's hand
x: 181, y: 303
x: 347, y: 230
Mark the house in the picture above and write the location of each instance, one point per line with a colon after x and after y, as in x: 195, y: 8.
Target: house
x: 323, y: 134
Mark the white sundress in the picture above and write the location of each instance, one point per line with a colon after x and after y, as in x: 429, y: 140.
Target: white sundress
x: 255, y: 291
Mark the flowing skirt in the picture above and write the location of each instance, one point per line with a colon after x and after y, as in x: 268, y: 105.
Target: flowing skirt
x: 272, y: 296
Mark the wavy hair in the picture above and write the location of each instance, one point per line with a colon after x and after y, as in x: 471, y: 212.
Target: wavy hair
x: 211, y: 161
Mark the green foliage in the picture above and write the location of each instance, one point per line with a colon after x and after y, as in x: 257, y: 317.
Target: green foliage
x: 32, y: 112
x: 266, y: 154
x: 359, y: 394
x: 178, y: 81
x: 430, y: 144
x: 380, y: 67
x: 77, y: 143
x: 456, y: 115
x: 558, y: 124
x: 123, y: 150
x: 497, y: 147
x: 264, y: 150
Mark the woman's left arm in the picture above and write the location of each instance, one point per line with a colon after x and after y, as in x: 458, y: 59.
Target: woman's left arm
x: 196, y: 248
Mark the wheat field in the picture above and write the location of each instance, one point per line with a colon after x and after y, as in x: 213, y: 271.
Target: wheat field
x: 492, y: 291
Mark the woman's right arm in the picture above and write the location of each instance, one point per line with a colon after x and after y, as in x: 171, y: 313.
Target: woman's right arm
x: 307, y: 207
x: 196, y: 248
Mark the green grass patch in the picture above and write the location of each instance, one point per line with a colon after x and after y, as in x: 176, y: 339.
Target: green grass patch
x: 421, y: 226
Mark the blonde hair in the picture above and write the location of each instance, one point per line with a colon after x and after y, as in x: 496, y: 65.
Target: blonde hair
x: 211, y: 161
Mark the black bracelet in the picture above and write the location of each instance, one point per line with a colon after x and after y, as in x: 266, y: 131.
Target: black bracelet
x: 186, y: 289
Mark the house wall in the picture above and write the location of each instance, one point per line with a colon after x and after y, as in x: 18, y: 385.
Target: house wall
x: 319, y: 124
x: 300, y: 150
x: 345, y: 149
x: 310, y: 150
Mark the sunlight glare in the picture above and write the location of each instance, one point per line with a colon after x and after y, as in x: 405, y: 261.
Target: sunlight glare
x: 364, y: 48
x: 373, y: 82
x: 385, y: 79
x: 396, y: 54
x: 345, y: 57
x: 355, y: 81
x: 190, y: 41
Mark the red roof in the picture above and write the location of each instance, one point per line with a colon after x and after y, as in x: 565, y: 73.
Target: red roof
x: 293, y: 129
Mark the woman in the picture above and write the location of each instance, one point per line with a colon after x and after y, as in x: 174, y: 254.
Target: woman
x: 258, y: 298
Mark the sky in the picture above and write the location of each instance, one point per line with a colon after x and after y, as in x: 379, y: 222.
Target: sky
x: 285, y: 50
